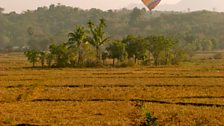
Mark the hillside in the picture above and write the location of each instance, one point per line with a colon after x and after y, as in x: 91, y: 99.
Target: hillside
x: 195, y: 5
x: 55, y: 22
x: 187, y: 5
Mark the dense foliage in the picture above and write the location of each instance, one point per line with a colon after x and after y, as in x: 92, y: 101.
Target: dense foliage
x: 201, y: 30
x: 142, y: 50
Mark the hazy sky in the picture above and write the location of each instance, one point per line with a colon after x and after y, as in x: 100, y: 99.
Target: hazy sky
x: 22, y: 5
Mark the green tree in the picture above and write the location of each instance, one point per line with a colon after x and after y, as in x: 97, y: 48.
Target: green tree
x: 49, y: 58
x: 105, y: 55
x: 160, y: 45
x: 42, y: 57
x: 178, y: 55
x: 135, y: 47
x: 98, y: 37
x: 207, y: 45
x: 61, y: 54
x: 76, y: 40
x: 32, y: 56
x: 117, y: 51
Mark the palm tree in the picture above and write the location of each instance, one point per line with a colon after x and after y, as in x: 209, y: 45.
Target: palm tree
x: 97, y: 38
x: 76, y: 39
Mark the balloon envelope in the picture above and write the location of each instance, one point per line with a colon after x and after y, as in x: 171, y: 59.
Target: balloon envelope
x: 151, y: 4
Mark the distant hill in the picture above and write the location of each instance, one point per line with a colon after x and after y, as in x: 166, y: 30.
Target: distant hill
x: 217, y: 5
x: 52, y: 24
x: 189, y: 5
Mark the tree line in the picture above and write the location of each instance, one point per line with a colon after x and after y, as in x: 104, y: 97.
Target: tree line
x: 90, y: 46
x: 197, y: 31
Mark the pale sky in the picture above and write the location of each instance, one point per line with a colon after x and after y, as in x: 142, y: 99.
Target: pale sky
x: 22, y: 5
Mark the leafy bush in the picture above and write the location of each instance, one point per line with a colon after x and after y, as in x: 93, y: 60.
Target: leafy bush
x: 218, y: 56
x: 147, y: 119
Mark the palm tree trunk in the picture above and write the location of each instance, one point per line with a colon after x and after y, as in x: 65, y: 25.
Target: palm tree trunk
x: 156, y: 60
x: 98, y: 54
x: 79, y: 57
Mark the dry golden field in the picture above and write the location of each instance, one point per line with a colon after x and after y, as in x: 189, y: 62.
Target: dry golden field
x: 190, y: 94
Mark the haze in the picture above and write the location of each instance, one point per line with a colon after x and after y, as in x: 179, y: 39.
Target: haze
x: 173, y: 5
x: 22, y: 5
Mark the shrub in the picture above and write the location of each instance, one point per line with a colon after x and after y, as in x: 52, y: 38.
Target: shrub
x: 147, y: 119
x: 218, y: 56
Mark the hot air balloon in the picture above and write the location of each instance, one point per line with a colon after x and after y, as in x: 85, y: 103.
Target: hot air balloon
x: 151, y: 4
